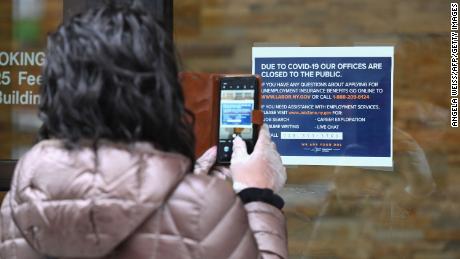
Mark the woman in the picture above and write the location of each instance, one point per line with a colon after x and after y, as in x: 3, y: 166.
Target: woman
x: 112, y: 176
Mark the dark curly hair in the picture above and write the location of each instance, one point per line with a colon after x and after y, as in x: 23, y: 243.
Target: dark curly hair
x: 111, y: 73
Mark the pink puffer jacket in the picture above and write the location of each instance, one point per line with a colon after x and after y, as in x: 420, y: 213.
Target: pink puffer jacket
x: 129, y: 202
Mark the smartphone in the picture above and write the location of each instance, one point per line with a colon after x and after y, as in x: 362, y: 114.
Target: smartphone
x: 238, y: 97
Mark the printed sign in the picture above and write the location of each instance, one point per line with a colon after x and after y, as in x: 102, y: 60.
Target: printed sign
x: 328, y: 105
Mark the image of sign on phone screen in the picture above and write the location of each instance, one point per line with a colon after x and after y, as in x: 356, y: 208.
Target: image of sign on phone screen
x: 237, y: 101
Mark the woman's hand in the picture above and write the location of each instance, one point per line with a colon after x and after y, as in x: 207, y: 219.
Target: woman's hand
x: 263, y: 168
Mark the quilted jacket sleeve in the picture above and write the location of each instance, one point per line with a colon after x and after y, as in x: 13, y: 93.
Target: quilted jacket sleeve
x: 12, y: 244
x: 269, y: 228
x: 262, y: 225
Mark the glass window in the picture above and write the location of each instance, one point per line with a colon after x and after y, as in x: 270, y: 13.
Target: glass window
x: 408, y: 211
x: 24, y: 25
x: 23, y: 28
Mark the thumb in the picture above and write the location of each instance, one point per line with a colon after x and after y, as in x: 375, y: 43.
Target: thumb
x: 206, y: 161
x: 240, y: 153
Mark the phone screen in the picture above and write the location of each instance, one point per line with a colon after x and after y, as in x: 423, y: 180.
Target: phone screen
x: 237, y: 101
